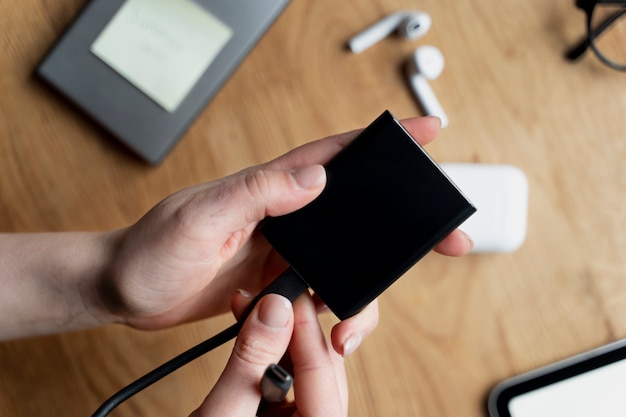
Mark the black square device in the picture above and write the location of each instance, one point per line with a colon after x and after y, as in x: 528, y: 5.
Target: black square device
x: 386, y: 204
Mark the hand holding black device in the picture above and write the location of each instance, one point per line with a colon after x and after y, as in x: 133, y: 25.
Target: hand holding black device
x: 386, y: 204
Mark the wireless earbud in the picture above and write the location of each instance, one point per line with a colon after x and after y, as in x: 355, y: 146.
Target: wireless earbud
x: 410, y: 25
x: 426, y: 64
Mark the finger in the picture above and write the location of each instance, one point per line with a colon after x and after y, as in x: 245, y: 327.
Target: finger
x: 240, y: 302
x: 458, y: 243
x: 319, y: 374
x: 422, y: 129
x: 229, y: 209
x: 320, y: 305
x: 262, y: 341
x: 256, y: 193
x: 347, y: 335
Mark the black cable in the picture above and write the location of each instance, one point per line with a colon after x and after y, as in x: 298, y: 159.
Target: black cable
x: 288, y: 284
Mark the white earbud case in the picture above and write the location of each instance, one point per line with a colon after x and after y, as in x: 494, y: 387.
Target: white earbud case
x: 500, y: 193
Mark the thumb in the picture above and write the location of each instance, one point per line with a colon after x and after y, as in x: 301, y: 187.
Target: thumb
x: 236, y: 203
x: 260, y: 192
x: 263, y: 340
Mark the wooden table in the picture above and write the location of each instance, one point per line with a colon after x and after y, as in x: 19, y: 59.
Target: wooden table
x: 450, y: 328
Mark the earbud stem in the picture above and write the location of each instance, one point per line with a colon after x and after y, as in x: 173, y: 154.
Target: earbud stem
x: 375, y: 33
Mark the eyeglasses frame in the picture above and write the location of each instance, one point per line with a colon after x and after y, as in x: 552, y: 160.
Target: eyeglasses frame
x: 589, y: 6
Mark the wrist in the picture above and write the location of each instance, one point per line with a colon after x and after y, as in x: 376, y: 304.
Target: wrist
x: 94, y: 279
x: 50, y: 282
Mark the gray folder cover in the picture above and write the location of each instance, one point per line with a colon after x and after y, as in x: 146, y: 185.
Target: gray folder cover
x: 122, y: 108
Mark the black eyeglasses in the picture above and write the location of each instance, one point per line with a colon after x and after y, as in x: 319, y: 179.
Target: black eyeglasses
x: 606, y: 32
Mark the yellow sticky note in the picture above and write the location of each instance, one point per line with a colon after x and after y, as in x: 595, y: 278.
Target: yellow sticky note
x: 162, y: 47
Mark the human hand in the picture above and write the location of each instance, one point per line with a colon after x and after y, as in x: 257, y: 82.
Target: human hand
x: 320, y: 386
x: 186, y: 256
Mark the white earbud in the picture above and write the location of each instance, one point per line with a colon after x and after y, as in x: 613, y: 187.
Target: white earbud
x: 426, y: 64
x: 410, y: 25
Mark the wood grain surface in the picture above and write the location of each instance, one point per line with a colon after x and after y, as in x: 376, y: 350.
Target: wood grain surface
x: 450, y: 328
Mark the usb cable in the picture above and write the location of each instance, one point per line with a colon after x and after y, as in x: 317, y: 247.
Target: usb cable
x: 289, y: 284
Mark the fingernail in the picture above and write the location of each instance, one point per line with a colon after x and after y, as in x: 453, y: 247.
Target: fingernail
x: 310, y: 177
x: 437, y: 118
x: 351, y: 344
x: 469, y: 239
x: 245, y: 293
x: 275, y: 311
